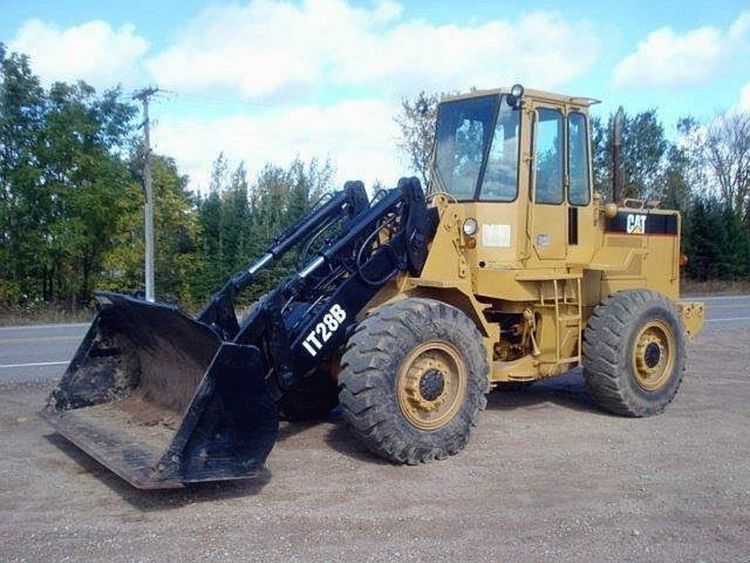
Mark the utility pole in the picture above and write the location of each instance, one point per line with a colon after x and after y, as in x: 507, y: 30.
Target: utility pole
x: 143, y: 96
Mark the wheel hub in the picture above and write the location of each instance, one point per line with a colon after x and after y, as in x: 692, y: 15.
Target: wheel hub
x: 431, y: 384
x: 652, y: 354
x: 653, y: 357
x: 426, y: 384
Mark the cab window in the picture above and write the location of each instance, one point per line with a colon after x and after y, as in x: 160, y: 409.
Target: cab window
x: 548, y: 151
x: 464, y: 128
x: 500, y: 181
x: 578, y: 160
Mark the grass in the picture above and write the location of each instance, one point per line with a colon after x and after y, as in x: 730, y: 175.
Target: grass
x: 43, y: 314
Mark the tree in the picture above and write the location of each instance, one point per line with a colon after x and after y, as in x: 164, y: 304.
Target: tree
x: 22, y: 102
x: 239, y: 219
x: 416, y: 122
x: 86, y: 182
x: 62, y: 182
x: 727, y: 156
x: 684, y: 172
x: 644, y: 147
x: 234, y: 222
x: 716, y: 242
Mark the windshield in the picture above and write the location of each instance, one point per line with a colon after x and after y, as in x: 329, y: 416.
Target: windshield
x: 464, y: 130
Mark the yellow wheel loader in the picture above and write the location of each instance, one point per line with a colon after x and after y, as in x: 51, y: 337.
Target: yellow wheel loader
x: 405, y: 310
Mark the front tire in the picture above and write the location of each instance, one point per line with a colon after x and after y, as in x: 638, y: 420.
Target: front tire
x: 634, y: 353
x: 413, y: 380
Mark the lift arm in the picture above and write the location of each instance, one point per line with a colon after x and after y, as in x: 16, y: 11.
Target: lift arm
x: 343, y: 205
x: 310, y: 314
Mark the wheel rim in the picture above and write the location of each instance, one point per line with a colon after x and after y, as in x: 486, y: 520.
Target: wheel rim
x: 431, y: 384
x: 653, y: 355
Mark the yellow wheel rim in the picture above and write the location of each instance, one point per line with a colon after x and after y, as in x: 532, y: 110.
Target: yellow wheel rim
x: 654, y: 355
x: 431, y: 384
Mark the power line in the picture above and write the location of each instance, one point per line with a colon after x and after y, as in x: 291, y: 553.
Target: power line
x: 220, y: 100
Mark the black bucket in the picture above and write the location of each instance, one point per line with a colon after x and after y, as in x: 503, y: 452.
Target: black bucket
x: 161, y: 400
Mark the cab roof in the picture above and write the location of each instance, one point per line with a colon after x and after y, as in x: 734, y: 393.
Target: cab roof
x: 540, y: 95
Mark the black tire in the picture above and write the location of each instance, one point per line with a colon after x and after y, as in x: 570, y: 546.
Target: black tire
x: 615, y: 353
x: 312, y: 399
x: 372, y: 373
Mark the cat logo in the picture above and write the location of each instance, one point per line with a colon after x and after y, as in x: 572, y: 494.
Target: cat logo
x: 636, y: 224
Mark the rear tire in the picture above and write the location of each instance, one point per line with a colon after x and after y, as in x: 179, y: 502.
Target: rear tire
x: 413, y: 380
x: 634, y: 353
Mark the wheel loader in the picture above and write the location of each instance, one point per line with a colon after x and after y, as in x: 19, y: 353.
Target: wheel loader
x: 405, y: 310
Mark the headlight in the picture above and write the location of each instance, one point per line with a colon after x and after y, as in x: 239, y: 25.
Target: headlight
x: 516, y: 91
x: 470, y: 227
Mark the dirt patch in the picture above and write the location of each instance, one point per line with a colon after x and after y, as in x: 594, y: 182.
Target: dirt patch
x: 546, y: 476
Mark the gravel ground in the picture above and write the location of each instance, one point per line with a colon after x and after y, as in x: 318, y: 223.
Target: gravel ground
x: 546, y: 475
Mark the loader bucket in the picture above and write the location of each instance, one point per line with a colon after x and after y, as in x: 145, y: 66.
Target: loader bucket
x: 159, y: 399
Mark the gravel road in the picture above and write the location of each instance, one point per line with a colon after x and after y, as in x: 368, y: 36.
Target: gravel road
x: 546, y: 476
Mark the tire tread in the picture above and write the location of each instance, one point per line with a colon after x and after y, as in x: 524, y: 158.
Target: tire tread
x: 363, y: 383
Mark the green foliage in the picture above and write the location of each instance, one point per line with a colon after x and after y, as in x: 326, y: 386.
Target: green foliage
x: 239, y: 220
x: 71, y: 202
x: 63, y: 183
x: 643, y: 151
x: 716, y: 242
x: 416, y: 122
x: 178, y: 237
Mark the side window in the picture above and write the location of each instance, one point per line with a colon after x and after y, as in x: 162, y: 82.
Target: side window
x: 500, y: 181
x: 548, y: 149
x: 578, y: 160
x: 469, y: 151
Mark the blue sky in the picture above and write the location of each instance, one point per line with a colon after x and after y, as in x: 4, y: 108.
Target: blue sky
x: 267, y: 80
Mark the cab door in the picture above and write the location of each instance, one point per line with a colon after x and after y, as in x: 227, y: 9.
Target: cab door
x: 581, y: 216
x: 549, y: 213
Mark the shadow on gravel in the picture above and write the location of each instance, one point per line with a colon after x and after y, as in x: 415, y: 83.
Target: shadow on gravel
x: 567, y: 390
x: 290, y: 429
x: 339, y: 439
x: 159, y: 500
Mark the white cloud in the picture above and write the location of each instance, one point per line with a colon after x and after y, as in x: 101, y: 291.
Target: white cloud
x: 288, y: 53
x: 358, y: 135
x: 745, y: 97
x: 92, y: 51
x: 270, y: 47
x: 670, y: 59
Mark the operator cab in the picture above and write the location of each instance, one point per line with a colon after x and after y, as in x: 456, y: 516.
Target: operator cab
x: 493, y: 146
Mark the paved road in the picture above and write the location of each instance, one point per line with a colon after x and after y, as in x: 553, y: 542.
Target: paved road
x: 37, y: 352
x: 42, y: 352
